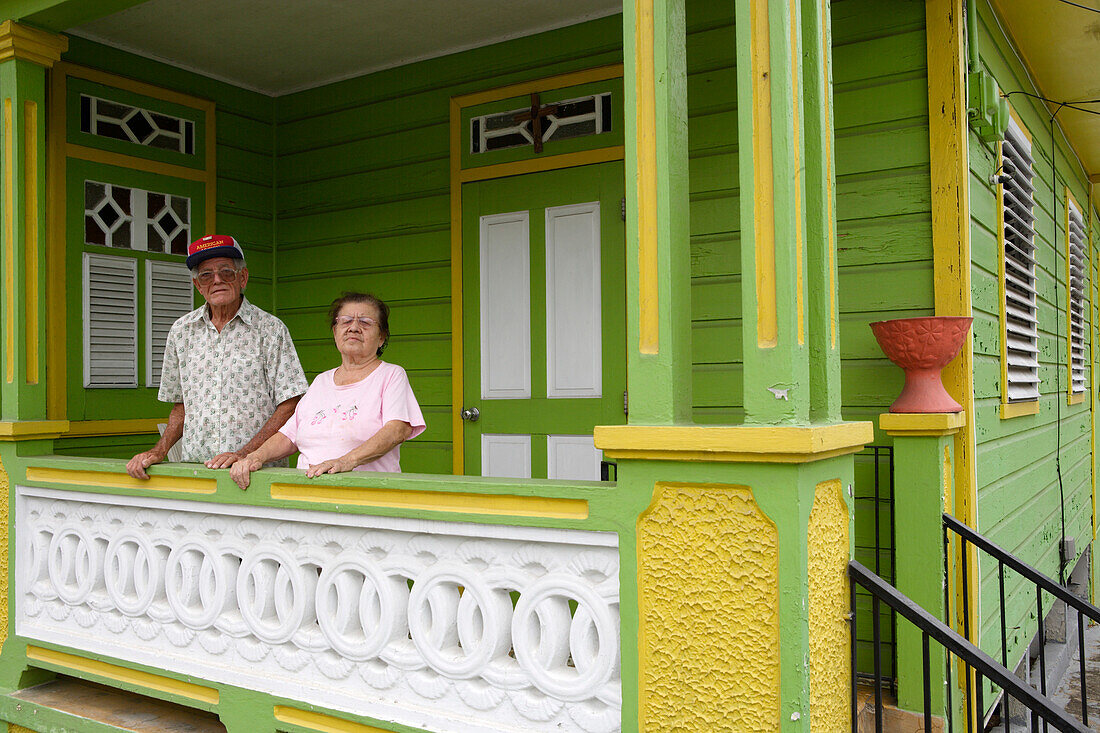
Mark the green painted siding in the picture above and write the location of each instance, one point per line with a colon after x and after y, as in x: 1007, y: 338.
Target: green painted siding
x: 1019, y: 486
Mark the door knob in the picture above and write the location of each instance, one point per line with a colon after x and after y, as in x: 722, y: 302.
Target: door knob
x: 470, y: 414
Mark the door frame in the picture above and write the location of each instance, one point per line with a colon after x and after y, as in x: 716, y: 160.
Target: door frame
x: 459, y: 175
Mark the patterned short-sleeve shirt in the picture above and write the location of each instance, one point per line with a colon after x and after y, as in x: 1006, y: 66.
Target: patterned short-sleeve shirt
x: 229, y: 382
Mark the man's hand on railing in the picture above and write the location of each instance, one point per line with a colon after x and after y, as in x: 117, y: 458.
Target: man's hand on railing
x: 241, y: 471
x: 137, y: 465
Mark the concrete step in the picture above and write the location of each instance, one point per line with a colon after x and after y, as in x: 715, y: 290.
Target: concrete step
x: 118, y: 709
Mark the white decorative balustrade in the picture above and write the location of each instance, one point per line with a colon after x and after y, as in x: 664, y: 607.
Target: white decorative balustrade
x: 439, y: 625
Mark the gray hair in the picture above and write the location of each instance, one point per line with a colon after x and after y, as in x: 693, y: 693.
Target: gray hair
x: 238, y: 265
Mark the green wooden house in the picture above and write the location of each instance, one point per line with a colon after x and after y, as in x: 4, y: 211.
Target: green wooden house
x: 649, y: 234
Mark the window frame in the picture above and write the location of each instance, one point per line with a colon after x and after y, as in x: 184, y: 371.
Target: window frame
x: 1015, y: 408
x: 1071, y: 206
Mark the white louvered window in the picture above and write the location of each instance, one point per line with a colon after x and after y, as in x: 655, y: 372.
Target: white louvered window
x: 110, y: 321
x: 1078, y: 276
x: 168, y: 295
x: 1021, y: 313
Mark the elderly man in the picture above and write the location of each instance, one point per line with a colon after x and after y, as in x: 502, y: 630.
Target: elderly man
x: 230, y: 369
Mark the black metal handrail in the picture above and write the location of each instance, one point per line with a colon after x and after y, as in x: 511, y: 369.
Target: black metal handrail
x: 1042, y: 583
x: 934, y: 629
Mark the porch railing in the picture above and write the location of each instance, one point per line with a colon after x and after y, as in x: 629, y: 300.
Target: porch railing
x: 1041, y: 583
x: 973, y: 658
x: 874, y: 507
x: 294, y: 590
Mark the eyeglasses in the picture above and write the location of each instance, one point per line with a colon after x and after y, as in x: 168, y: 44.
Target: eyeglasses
x: 363, y: 321
x: 226, y: 274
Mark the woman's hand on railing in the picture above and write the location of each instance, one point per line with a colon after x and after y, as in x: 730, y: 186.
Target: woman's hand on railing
x: 335, y: 465
x: 241, y: 470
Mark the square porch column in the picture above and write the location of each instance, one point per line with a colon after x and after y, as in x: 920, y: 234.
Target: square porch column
x: 25, y: 56
x: 734, y: 590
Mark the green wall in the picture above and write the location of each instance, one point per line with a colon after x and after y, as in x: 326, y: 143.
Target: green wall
x: 1018, y: 482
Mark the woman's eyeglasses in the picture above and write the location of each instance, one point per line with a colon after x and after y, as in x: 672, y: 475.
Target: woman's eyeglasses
x: 226, y: 274
x: 363, y: 321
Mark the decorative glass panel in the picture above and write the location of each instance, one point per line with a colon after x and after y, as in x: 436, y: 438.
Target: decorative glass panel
x: 130, y: 218
x: 107, y: 219
x: 570, y: 118
x: 131, y: 124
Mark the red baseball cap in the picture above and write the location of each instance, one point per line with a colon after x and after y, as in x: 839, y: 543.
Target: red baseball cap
x: 213, y: 245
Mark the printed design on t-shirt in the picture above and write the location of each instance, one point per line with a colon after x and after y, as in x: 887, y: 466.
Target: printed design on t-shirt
x: 345, y: 415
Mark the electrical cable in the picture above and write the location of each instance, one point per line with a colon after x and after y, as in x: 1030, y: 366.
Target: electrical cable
x: 1062, y: 559
x: 1067, y: 105
x: 1078, y: 5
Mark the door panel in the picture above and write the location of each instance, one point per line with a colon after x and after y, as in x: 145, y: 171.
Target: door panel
x: 544, y: 348
x: 573, y: 325
x: 505, y: 272
x: 506, y: 456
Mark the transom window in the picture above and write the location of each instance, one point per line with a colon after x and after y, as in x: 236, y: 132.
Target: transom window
x: 540, y: 123
x: 131, y: 218
x: 119, y: 121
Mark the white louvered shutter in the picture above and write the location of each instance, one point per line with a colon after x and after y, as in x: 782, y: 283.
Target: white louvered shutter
x: 168, y: 295
x: 1078, y: 275
x: 1021, y: 313
x: 110, y: 321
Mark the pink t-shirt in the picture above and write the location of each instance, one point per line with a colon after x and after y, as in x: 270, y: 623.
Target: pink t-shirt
x: 333, y: 419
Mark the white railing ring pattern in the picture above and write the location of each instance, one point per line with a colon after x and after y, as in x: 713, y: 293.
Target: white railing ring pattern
x: 472, y: 624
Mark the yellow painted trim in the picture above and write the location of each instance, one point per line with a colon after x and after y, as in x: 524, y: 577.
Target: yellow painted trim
x: 548, y: 83
x: 1003, y: 340
x: 435, y: 501
x: 767, y: 316
x: 87, y: 428
x: 138, y: 87
x: 32, y: 429
x: 796, y: 137
x: 110, y: 480
x: 1076, y: 398
x: 458, y: 176
x: 949, y: 158
x: 826, y: 56
x: 754, y: 444
x: 9, y: 244
x: 1010, y: 410
x: 320, y: 721
x: 540, y: 165
x: 18, y: 41
x: 912, y: 424
x: 160, y: 683
x: 30, y: 237
x: 645, y: 116
x: 95, y: 155
x: 56, y: 321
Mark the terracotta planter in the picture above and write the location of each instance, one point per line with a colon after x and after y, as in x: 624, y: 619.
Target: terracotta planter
x: 922, y: 347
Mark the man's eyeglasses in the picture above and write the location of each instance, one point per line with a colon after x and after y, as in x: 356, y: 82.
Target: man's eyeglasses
x: 226, y: 274
x: 363, y: 321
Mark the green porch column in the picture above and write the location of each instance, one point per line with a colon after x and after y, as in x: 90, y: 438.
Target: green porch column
x: 658, y: 272
x: 788, y: 262
x: 25, y: 55
x: 923, y: 469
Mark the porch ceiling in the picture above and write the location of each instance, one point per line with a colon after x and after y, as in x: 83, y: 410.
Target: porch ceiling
x: 1060, y: 44
x: 282, y: 46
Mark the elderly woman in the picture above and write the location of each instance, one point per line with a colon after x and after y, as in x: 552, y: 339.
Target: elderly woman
x: 353, y: 417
